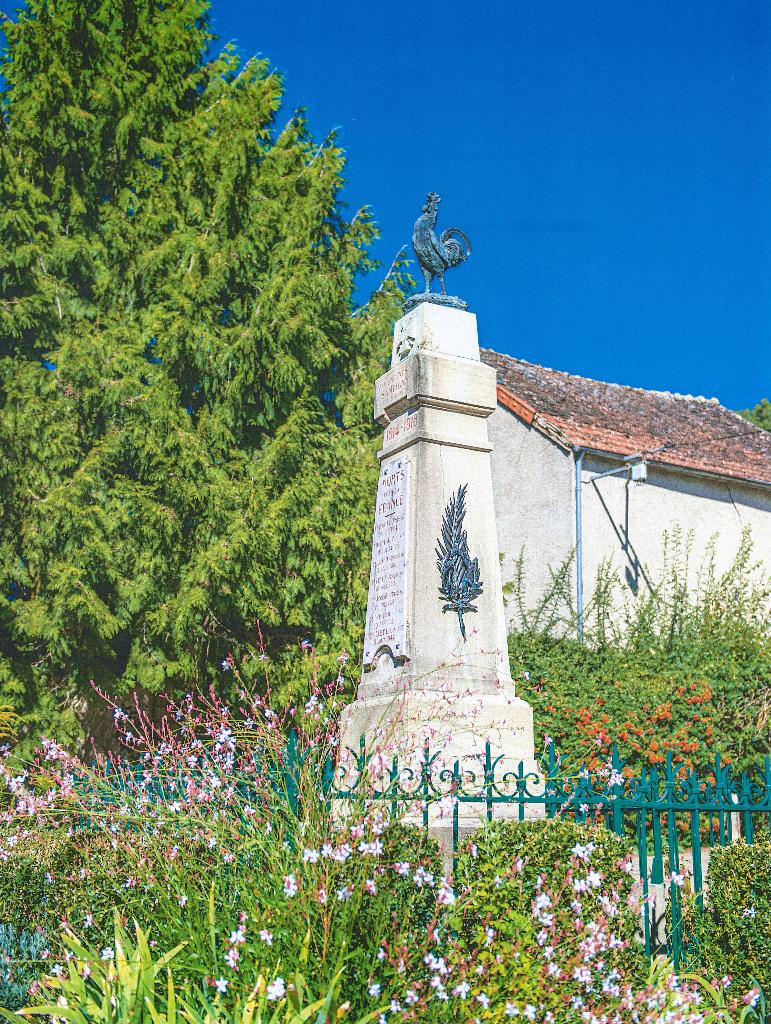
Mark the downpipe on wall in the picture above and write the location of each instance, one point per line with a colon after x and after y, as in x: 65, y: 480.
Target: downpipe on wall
x: 579, y: 462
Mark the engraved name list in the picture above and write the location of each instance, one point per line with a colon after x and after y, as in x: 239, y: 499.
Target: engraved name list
x: 386, y: 621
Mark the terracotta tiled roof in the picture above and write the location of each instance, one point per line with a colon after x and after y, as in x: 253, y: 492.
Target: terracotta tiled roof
x: 678, y: 430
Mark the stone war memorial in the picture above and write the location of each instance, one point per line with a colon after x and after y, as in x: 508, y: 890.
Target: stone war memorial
x: 435, y: 663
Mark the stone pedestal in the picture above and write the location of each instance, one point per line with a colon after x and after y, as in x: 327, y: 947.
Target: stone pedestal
x: 422, y: 680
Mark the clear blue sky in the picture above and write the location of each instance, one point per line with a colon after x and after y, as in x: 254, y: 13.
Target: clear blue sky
x: 610, y: 160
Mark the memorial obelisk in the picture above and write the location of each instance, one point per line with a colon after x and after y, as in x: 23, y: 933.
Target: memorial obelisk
x: 436, y: 666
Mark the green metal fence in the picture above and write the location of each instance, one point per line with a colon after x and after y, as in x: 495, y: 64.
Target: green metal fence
x: 668, y: 814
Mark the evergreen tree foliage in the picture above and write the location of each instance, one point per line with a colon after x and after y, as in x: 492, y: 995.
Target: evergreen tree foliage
x: 759, y: 414
x: 185, y: 418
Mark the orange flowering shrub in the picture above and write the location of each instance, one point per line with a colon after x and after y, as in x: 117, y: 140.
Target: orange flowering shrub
x: 587, y: 700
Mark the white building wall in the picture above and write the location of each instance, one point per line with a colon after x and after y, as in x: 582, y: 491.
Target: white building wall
x: 534, y: 489
x: 627, y: 521
x: 533, y: 493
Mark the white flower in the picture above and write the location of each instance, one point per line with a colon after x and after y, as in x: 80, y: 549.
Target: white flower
x: 445, y: 896
x: 266, y: 937
x: 108, y: 953
x: 749, y: 912
x: 373, y: 849
x: 483, y: 999
x: 276, y: 989
x: 374, y: 989
x: 462, y: 990
x: 542, y: 901
x: 182, y: 900
x: 583, y: 852
x: 677, y: 878
x: 511, y: 1010
x: 221, y: 984
x: 530, y: 1011
x: 290, y: 885
x: 310, y: 856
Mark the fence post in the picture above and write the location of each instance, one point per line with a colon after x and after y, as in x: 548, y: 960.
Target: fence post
x: 617, y: 790
x: 642, y: 856
x: 675, y: 894
x: 426, y: 772
x: 393, y: 786
x: 290, y: 773
x: 550, y: 791
x: 456, y: 784
x: 698, y: 880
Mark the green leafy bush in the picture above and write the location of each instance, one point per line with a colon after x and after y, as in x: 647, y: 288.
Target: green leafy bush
x: 204, y: 847
x: 415, y: 908
x: 735, y: 930
x: 524, y: 886
x: 20, y: 963
x: 679, y: 670
x: 51, y: 876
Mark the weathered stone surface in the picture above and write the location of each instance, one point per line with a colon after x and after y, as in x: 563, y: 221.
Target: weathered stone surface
x: 433, y: 328
x: 385, y: 630
x: 456, y: 693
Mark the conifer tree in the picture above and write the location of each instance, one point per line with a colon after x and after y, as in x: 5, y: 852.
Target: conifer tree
x: 184, y: 411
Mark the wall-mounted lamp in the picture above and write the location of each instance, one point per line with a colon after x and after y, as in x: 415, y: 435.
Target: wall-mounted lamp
x: 636, y: 471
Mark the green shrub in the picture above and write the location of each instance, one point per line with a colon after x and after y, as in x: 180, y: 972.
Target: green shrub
x: 735, y: 930
x: 198, y: 896
x: 583, y: 876
x: 49, y: 876
x: 398, y: 899
x: 672, y: 669
x: 20, y: 963
x: 545, y: 848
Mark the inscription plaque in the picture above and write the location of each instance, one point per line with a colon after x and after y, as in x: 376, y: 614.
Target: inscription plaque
x: 400, y: 429
x: 386, y: 619
x: 390, y: 390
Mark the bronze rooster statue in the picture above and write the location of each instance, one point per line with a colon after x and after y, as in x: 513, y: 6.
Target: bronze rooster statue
x: 436, y: 255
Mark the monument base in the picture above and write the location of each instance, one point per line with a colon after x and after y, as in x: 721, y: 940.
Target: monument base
x: 454, y: 729
x: 457, y: 725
